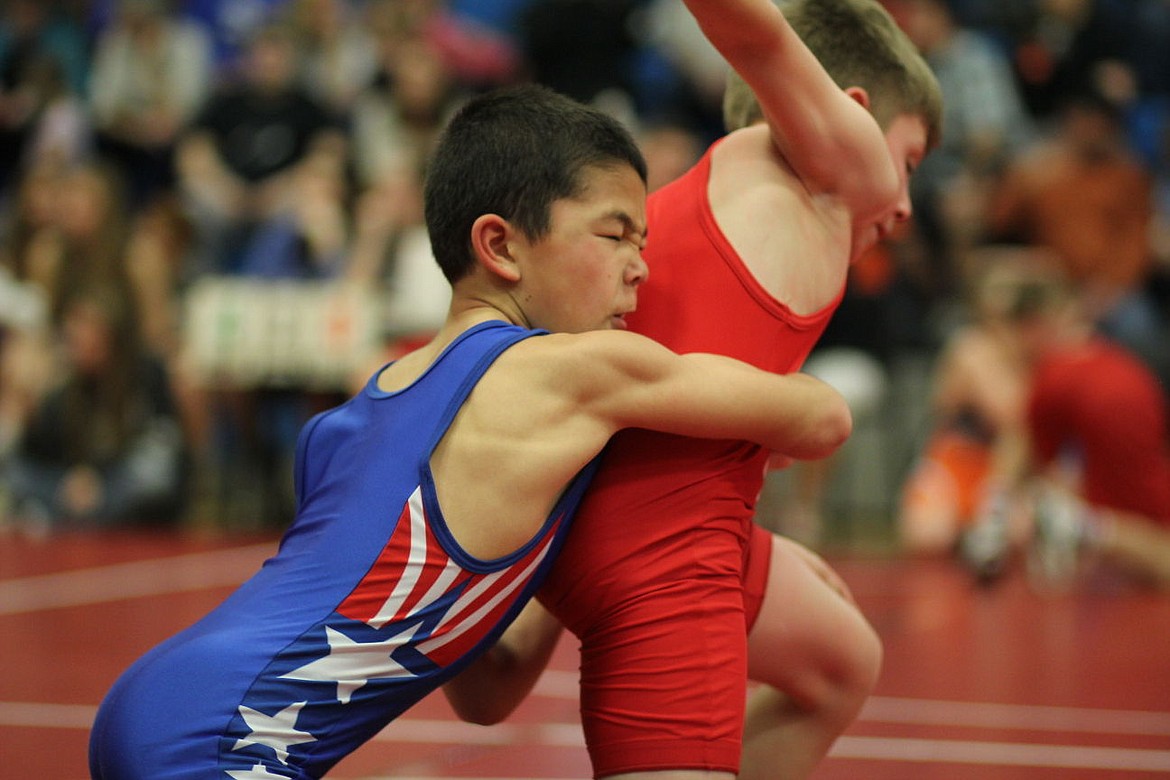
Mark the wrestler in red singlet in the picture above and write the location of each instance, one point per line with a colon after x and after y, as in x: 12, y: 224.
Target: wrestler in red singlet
x: 664, y: 572
x: 1108, y: 405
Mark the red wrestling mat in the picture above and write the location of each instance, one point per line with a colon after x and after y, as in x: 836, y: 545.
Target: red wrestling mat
x: 996, y: 684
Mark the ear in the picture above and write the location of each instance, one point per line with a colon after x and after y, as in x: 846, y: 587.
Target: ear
x: 491, y: 243
x: 860, y: 95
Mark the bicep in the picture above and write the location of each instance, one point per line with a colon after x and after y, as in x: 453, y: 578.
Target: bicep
x: 645, y: 385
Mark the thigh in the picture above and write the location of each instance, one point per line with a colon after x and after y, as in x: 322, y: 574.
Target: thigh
x: 808, y: 629
x: 663, y: 679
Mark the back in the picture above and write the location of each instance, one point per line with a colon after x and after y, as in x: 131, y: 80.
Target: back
x: 1100, y: 404
x: 368, y: 605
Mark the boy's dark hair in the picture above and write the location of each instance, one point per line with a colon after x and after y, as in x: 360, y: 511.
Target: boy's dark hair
x: 513, y: 152
x: 858, y: 44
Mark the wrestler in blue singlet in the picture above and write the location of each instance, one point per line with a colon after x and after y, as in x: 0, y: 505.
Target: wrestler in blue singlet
x: 368, y: 605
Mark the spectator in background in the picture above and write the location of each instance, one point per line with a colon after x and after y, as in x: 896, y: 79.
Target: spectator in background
x: 231, y: 24
x: 84, y: 243
x: 24, y: 367
x: 1083, y: 195
x: 259, y: 170
x: 151, y: 72
x: 474, y: 39
x: 22, y: 313
x: 986, y: 125
x: 104, y: 446
x: 395, y: 124
x: 397, y: 116
x: 69, y: 233
x: 157, y: 261
x: 585, y: 49
x: 238, y: 159
x: 31, y: 215
x: 43, y: 62
x: 338, y: 50
x: 307, y: 236
x: 1069, y: 46
x: 391, y: 252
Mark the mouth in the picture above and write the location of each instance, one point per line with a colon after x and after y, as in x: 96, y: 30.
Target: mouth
x: 618, y: 322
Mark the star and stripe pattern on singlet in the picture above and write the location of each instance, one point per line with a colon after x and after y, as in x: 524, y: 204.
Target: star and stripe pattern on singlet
x: 401, y: 624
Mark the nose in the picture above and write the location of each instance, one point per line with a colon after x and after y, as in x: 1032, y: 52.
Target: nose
x: 637, y: 272
x: 903, y: 209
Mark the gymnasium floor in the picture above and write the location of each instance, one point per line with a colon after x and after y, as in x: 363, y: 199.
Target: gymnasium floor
x: 995, y: 684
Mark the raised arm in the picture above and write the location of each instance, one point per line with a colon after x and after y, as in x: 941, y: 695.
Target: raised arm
x: 825, y: 133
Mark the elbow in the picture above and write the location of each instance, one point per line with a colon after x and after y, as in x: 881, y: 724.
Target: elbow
x: 477, y: 709
x: 836, y: 428
x: 830, y: 429
x: 479, y: 715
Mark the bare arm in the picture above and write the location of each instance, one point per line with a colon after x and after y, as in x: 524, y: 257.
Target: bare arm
x: 205, y: 177
x: 623, y: 380
x: 494, y: 685
x: 829, y: 139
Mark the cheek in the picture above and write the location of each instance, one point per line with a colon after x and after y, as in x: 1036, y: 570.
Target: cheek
x: 583, y: 266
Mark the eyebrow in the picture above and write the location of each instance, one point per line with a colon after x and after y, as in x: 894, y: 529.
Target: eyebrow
x: 627, y: 222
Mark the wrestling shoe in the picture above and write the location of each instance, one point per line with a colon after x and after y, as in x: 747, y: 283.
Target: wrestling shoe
x: 1058, y: 536
x: 984, y: 547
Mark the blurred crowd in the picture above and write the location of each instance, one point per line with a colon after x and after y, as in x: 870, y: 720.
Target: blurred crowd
x: 149, y: 147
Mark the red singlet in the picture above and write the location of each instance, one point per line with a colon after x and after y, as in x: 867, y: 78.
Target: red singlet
x: 1106, y: 405
x: 663, y: 572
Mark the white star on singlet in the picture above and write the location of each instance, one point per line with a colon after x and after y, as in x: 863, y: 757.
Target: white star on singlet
x: 352, y: 664
x: 254, y: 773
x: 274, y: 731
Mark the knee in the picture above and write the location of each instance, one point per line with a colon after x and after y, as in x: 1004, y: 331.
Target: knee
x: 856, y: 673
x: 867, y: 663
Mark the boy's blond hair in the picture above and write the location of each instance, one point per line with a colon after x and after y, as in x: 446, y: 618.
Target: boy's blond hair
x: 860, y: 45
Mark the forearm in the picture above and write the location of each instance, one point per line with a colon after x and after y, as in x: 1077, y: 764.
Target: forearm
x: 204, y: 178
x: 794, y: 414
x: 627, y: 381
x: 743, y: 29
x: 823, y: 423
x: 494, y: 685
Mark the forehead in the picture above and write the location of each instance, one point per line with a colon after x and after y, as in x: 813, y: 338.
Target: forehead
x: 907, y: 134
x: 608, y: 176
x: 607, y: 187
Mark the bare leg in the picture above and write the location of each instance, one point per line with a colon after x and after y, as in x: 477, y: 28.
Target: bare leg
x: 1137, y: 545
x: 818, y: 658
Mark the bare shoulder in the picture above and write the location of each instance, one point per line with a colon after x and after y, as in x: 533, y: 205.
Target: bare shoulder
x: 585, y: 356
x: 576, y: 379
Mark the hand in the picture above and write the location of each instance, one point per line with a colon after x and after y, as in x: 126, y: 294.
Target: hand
x: 778, y: 461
